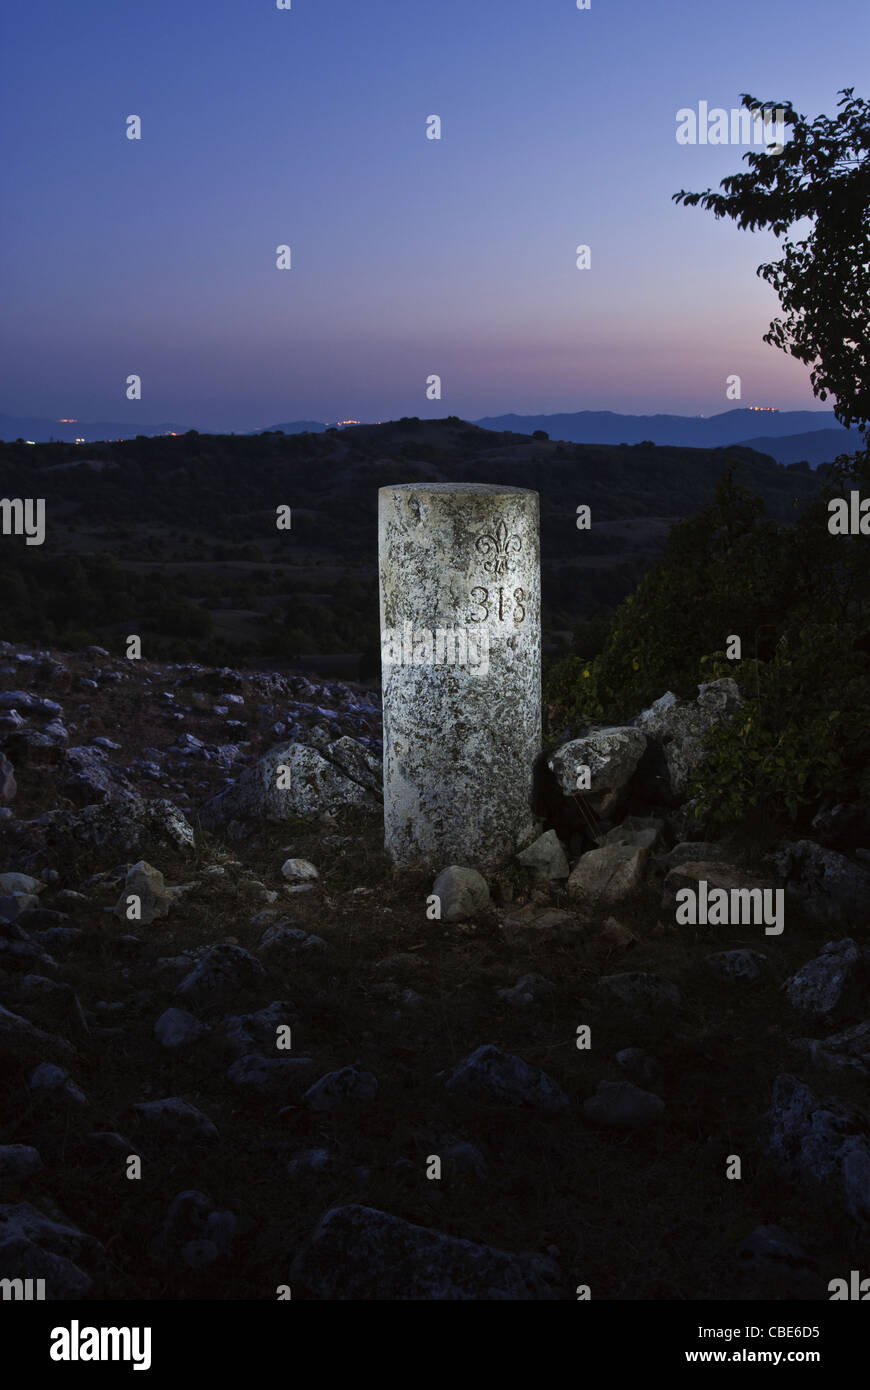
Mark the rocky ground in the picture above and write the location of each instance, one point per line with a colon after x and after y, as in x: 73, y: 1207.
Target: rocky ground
x: 241, y: 1054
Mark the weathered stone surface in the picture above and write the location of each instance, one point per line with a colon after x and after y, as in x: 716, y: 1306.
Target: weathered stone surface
x: 250, y: 1032
x: 463, y: 893
x: 54, y: 1084
x: 298, y: 870
x: 695, y: 851
x: 173, y: 1118
x: 607, y: 875
x: 17, y: 1162
x: 275, y: 1078
x: 357, y: 1252
x: 12, y: 884
x: 677, y: 730
x: 281, y: 943
x: 88, y: 778
x: 822, y: 1140
x: 534, y: 926
x: 611, y: 755
x: 176, y: 1028
x: 126, y: 822
x: 848, y: 1050
x: 492, y: 1077
x: 147, y: 884
x: 830, y: 887
x: 716, y: 875
x: 822, y: 985
x: 345, y: 1089
x: 223, y: 973
x: 32, y: 1246
x: 21, y: 1041
x: 546, y: 856
x: 642, y: 837
x: 460, y: 738
x: 311, y: 786
x: 620, y: 1105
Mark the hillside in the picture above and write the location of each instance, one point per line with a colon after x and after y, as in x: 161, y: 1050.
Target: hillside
x: 402, y: 1037
x: 175, y: 538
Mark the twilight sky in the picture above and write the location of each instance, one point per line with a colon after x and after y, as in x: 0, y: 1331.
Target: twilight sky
x: 410, y: 256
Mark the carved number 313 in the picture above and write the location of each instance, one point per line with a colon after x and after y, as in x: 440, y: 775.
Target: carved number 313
x: 484, y: 603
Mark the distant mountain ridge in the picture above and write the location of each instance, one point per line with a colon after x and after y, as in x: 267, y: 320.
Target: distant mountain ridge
x: 788, y: 436
x: 816, y: 447
x: 92, y: 431
x: 687, y: 431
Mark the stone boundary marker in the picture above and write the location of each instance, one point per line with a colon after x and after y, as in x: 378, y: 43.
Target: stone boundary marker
x: 460, y: 609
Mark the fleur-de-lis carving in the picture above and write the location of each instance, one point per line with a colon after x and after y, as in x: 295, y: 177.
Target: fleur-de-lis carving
x: 498, y: 548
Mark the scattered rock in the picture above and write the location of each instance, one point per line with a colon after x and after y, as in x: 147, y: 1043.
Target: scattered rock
x: 676, y: 730
x: 829, y: 886
x: 845, y: 1051
x: 531, y: 926
x: 357, y: 1252
x: 54, y: 1083
x: 546, y: 856
x: 463, y: 893
x: 826, y: 983
x: 610, y: 754
x: 492, y: 1077
x: 17, y: 1163
x: 13, y: 885
x: 825, y: 1141
x: 174, y: 1118
x: 155, y: 898
x: 342, y: 1090
x: 716, y: 875
x: 298, y: 870
x: 223, y: 973
x: 281, y: 942
x: 607, y: 876
x: 176, y: 1028
x: 309, y: 786
x: 258, y: 1031
x: 32, y: 1246
x: 124, y: 823
x: 19, y: 1040
x: 282, y: 1079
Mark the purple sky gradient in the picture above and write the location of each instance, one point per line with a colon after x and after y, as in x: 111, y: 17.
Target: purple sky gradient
x: 410, y: 256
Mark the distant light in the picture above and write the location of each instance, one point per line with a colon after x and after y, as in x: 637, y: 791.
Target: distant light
x: 70, y: 421
x: 80, y: 441
x: 30, y: 441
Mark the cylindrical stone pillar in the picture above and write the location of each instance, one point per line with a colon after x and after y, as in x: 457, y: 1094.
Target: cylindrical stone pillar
x: 460, y: 596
